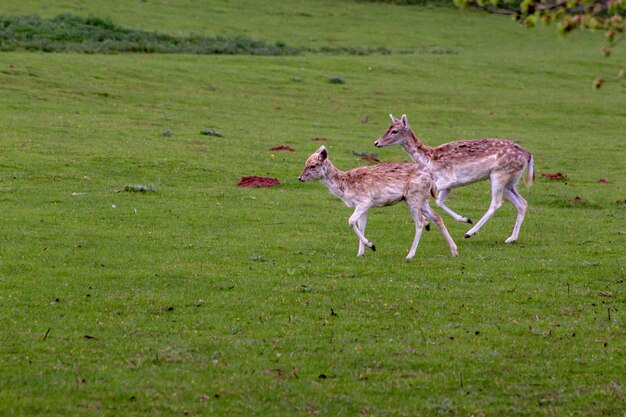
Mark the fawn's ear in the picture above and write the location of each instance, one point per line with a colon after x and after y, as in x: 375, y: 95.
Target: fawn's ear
x: 405, y: 122
x: 393, y: 119
x: 323, y: 153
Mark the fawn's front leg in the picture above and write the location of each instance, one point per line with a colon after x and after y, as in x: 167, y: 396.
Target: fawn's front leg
x: 356, y: 218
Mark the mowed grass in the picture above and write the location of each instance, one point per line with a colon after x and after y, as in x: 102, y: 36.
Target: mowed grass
x: 203, y: 298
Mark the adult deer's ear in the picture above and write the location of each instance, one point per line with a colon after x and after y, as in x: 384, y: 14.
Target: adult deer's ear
x: 393, y: 119
x: 405, y: 122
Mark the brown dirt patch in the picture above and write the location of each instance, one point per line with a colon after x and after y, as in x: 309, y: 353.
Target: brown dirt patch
x: 370, y: 159
x: 254, y: 181
x: 320, y: 139
x: 281, y: 148
x: 554, y: 177
x: 578, y: 200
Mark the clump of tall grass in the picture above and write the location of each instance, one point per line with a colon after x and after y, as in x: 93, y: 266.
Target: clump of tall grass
x: 414, y: 2
x: 69, y: 33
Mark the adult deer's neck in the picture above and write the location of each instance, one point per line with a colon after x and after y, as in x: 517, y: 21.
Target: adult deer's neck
x: 419, y: 152
x: 334, y: 180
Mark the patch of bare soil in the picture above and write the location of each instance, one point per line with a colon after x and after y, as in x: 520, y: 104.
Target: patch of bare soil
x: 554, y: 177
x: 255, y: 181
x: 281, y: 148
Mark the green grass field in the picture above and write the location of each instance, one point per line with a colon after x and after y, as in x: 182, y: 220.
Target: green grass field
x: 204, y: 298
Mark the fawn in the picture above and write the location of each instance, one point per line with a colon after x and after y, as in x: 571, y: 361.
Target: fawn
x: 379, y: 185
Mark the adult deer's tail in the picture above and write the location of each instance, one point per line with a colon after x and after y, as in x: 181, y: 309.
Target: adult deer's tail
x: 433, y: 188
x: 530, y: 172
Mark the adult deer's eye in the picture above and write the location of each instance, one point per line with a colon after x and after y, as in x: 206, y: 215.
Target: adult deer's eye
x: 394, y: 132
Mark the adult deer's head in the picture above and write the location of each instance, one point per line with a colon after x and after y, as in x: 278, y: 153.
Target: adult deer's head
x: 315, y: 165
x: 396, y: 133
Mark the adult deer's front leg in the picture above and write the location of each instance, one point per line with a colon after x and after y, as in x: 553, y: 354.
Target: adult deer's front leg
x: 443, y: 194
x: 353, y: 222
x: 497, y: 189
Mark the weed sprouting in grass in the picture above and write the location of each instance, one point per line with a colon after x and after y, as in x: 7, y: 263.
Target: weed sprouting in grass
x: 139, y: 188
x: 436, y: 50
x: 365, y: 153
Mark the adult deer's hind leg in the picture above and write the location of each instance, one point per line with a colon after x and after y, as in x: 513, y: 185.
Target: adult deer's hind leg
x: 511, y: 193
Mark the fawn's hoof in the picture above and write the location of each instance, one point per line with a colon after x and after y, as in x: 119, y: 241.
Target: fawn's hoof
x: 467, y: 236
x: 470, y: 221
x: 427, y: 227
x: 373, y: 247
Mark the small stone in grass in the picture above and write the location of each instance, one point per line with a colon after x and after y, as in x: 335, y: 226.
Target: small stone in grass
x: 211, y: 132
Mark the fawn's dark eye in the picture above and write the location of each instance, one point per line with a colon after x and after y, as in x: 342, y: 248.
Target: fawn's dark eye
x: 394, y: 131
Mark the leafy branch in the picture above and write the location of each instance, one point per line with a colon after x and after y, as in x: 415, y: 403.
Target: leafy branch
x: 607, y: 16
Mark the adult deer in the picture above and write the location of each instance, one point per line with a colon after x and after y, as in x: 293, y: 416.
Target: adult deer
x: 378, y: 186
x: 456, y: 164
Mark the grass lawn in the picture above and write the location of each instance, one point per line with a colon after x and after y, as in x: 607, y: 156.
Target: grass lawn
x: 204, y: 298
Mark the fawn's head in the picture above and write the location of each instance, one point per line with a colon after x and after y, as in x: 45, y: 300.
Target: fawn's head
x: 396, y: 134
x: 315, y: 165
